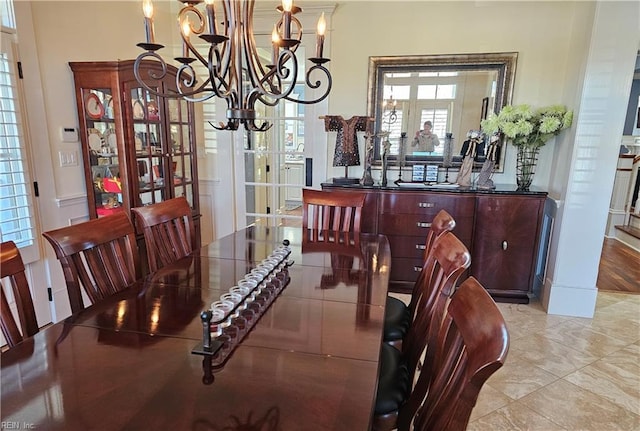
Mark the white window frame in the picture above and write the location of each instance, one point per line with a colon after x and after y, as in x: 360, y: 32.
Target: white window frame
x: 20, y: 167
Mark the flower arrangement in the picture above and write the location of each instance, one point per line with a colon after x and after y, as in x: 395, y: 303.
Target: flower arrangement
x: 528, y: 130
x: 526, y: 127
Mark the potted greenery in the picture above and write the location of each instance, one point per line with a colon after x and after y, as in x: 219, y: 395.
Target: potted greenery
x: 528, y: 130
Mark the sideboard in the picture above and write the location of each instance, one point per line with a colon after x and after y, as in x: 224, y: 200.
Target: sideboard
x: 500, y: 227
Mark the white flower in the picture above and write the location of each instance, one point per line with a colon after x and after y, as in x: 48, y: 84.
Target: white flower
x: 522, y: 126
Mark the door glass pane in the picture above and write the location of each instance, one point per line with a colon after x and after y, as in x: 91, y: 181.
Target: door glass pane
x: 174, y: 110
x: 185, y: 172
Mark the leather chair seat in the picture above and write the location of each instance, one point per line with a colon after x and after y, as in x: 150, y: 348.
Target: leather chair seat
x: 393, y: 381
x: 396, y: 320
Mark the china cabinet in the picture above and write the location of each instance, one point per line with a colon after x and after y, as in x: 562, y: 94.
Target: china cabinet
x: 138, y: 149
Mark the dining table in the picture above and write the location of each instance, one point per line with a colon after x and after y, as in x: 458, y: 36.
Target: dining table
x: 303, y: 354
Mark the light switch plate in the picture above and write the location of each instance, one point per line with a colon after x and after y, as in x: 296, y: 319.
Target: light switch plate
x: 68, y: 158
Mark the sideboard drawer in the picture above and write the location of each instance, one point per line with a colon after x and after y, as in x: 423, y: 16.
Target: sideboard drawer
x: 413, y: 246
x: 407, y: 246
x: 419, y: 224
x: 427, y: 203
x: 406, y: 269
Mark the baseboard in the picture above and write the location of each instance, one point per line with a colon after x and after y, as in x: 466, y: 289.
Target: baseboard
x: 627, y: 239
x: 570, y: 300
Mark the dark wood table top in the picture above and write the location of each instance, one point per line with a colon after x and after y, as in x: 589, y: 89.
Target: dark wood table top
x: 307, y: 361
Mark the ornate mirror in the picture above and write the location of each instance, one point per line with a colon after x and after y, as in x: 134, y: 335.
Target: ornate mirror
x: 453, y: 92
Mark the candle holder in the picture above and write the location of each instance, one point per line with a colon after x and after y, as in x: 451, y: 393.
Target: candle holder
x: 447, y: 156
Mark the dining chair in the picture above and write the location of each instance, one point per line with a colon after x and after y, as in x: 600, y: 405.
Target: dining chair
x: 100, y: 255
x: 331, y: 215
x: 446, y: 262
x: 168, y: 230
x: 472, y: 344
x: 398, y: 315
x: 12, y: 269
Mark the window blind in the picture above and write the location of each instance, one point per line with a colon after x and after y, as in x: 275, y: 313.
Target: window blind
x: 16, y: 204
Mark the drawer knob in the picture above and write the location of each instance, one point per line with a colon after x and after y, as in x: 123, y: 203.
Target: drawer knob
x: 426, y: 205
x: 423, y: 224
x: 505, y: 244
x: 421, y: 246
x: 417, y: 269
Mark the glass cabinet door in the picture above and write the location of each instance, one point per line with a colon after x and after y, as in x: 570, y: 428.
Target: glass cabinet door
x: 163, y: 147
x: 102, y: 147
x: 149, y: 147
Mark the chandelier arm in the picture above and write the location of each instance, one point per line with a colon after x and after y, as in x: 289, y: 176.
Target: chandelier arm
x: 217, y: 81
x: 315, y: 85
x: 250, y: 54
x: 138, y: 69
x: 224, y: 59
x: 190, y: 82
x: 183, y: 18
x: 279, y: 73
x: 235, y: 49
x: 251, y: 126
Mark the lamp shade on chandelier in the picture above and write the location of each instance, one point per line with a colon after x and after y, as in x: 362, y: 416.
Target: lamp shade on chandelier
x: 235, y: 71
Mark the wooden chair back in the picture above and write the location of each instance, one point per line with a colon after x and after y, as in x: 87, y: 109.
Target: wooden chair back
x: 100, y: 255
x: 331, y: 215
x: 472, y: 344
x: 168, y: 231
x: 448, y: 259
x: 12, y: 269
x: 444, y: 265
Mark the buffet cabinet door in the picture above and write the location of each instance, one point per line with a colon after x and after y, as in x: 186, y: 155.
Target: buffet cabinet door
x: 506, y: 240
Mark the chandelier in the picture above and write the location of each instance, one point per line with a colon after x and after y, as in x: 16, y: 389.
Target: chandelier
x: 389, y: 113
x: 236, y: 72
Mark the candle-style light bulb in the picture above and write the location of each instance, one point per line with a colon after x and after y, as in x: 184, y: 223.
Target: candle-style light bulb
x: 211, y: 16
x: 147, y: 10
x: 186, y: 31
x: 287, y: 5
x: 322, y: 27
x: 275, y: 41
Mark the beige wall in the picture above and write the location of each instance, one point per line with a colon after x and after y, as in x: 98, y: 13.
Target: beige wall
x: 550, y: 38
x: 80, y: 31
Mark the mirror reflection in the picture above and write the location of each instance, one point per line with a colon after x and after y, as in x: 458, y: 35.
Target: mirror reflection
x: 425, y: 103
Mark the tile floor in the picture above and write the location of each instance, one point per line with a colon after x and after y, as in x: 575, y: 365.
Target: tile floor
x: 566, y: 373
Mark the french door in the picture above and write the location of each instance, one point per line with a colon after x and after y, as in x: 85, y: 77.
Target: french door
x: 274, y: 164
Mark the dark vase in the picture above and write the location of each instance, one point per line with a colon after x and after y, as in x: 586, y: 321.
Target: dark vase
x: 526, y: 161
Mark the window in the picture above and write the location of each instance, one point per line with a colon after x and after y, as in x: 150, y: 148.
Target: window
x: 398, y: 92
x: 17, y: 218
x: 439, y: 91
x: 6, y: 12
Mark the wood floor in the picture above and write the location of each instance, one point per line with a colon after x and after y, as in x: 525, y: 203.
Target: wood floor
x: 619, y: 268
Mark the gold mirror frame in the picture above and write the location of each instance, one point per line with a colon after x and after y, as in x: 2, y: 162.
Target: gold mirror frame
x: 503, y: 64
